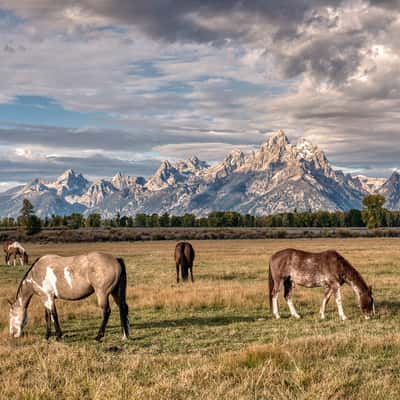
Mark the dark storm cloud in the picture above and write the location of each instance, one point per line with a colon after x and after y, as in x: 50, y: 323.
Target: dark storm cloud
x: 175, y: 20
x: 332, y: 59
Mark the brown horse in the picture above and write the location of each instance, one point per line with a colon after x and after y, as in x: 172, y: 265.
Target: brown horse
x: 184, y: 256
x: 71, y: 278
x: 327, y: 269
x: 17, y: 253
x: 16, y: 250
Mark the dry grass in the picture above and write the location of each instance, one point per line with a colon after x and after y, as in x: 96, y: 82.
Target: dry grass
x: 214, y: 339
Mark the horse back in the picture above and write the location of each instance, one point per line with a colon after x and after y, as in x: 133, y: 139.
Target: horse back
x: 307, y: 268
x: 73, y: 278
x: 186, y: 250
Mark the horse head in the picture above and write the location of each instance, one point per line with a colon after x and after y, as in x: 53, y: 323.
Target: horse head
x: 18, y: 318
x: 367, y: 303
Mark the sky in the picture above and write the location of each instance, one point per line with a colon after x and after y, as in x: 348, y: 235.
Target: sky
x: 102, y: 86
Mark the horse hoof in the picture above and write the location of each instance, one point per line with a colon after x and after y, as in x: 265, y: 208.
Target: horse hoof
x: 297, y: 316
x: 277, y: 316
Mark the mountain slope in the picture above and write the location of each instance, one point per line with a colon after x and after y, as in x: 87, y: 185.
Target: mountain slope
x: 391, y: 190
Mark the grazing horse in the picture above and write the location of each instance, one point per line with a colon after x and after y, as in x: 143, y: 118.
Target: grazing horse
x: 71, y: 278
x: 17, y: 250
x: 327, y: 269
x: 184, y: 256
x: 17, y: 253
x: 6, y: 245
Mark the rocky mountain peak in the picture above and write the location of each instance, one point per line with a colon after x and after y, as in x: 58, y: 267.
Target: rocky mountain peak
x: 120, y: 181
x: 235, y: 159
x: 391, y: 190
x: 70, y: 183
x: 277, y: 141
x: 165, y: 176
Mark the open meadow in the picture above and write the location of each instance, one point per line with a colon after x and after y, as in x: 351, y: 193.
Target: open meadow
x: 214, y: 339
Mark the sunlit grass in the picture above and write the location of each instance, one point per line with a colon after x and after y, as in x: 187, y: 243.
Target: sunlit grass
x: 213, y: 339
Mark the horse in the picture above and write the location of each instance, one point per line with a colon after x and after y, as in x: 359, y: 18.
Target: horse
x: 71, y: 278
x: 17, y: 250
x: 17, y: 253
x: 6, y: 244
x: 184, y: 256
x: 328, y: 269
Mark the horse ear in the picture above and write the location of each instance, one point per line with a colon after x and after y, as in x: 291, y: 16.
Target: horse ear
x: 9, y: 302
x: 370, y: 289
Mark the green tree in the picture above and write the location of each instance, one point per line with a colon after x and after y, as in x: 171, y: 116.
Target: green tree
x: 93, y: 220
x: 76, y: 221
x: 164, y: 220
x: 189, y: 220
x: 28, y: 219
x: 140, y: 220
x: 354, y: 218
x: 373, y: 210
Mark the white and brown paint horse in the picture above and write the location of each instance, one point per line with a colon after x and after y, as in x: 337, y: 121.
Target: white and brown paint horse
x: 327, y: 269
x: 184, y: 256
x: 53, y: 277
x: 16, y: 250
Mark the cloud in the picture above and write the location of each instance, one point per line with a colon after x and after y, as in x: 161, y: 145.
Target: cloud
x: 174, y: 77
x: 20, y: 169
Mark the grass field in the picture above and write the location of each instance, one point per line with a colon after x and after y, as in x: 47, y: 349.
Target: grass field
x: 213, y: 339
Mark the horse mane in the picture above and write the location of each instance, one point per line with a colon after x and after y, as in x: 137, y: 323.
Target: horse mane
x: 25, y: 275
x: 351, y: 274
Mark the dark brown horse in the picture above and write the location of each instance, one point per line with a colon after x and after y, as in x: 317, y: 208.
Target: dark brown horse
x: 327, y: 269
x: 53, y: 277
x: 184, y: 256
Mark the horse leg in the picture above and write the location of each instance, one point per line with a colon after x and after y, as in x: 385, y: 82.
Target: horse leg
x: 327, y: 296
x: 177, y: 272
x: 288, y: 297
x: 48, y: 323
x: 338, y: 296
x: 191, y: 273
x: 105, y: 306
x: 275, y: 294
x: 57, y: 327
x: 123, y: 313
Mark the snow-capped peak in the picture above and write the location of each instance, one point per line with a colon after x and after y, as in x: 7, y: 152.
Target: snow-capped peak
x: 120, y: 181
x: 306, y: 149
x: 70, y: 184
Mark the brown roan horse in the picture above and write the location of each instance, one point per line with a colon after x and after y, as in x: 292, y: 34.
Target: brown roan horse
x: 327, y: 269
x: 184, y: 256
x: 71, y: 278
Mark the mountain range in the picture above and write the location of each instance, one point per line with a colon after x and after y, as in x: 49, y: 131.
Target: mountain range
x: 278, y: 177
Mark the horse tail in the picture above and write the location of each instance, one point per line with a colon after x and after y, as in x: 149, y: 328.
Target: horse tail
x: 123, y: 307
x: 184, y: 263
x: 270, y: 285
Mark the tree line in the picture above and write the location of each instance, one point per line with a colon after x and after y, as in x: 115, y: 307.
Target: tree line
x: 373, y: 215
